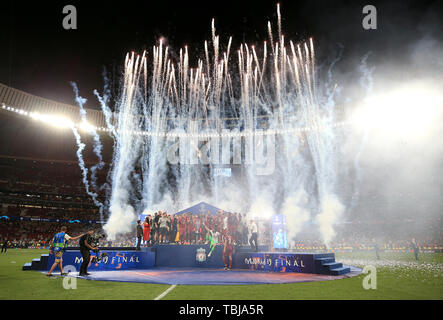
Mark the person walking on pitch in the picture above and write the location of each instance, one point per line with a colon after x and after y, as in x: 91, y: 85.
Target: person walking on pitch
x: 58, y: 246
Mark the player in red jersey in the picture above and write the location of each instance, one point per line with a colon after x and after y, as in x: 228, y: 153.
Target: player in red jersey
x: 228, y: 250
x: 232, y: 226
x: 182, y: 229
x: 187, y: 228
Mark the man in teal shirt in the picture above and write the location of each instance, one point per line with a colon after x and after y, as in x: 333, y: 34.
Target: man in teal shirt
x: 58, y: 246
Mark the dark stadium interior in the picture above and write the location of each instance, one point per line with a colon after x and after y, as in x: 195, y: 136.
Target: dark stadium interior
x: 40, y: 179
x: 39, y: 172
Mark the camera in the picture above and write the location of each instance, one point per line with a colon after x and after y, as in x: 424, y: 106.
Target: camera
x: 95, y: 241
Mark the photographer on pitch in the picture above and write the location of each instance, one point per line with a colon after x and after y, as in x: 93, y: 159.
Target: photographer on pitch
x: 85, y: 247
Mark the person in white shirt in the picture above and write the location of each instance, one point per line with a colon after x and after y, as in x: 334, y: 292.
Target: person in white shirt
x: 254, y: 235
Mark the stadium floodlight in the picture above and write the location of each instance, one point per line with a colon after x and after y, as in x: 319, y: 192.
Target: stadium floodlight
x: 56, y: 121
x: 87, y: 127
x: 60, y: 122
x: 408, y: 111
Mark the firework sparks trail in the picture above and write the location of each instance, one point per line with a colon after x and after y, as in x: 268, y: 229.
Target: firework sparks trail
x: 170, y: 118
x: 97, y: 147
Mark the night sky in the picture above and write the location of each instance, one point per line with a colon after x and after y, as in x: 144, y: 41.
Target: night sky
x: 40, y: 57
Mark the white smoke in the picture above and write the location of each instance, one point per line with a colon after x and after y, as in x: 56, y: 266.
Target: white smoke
x: 331, y: 210
x: 121, y: 218
x: 294, y: 208
x: 167, y: 204
x: 261, y: 207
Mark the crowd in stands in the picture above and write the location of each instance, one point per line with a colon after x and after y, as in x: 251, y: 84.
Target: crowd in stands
x: 182, y: 229
x: 44, y: 182
x: 50, y: 213
x: 42, y: 189
x: 23, y: 234
x: 160, y: 228
x: 46, y: 190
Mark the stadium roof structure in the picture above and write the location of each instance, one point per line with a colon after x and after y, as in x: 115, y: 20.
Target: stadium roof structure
x: 27, y: 102
x: 18, y: 138
x: 200, y: 208
x: 21, y: 138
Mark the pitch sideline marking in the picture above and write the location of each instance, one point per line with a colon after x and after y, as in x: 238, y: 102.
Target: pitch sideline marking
x: 166, y: 292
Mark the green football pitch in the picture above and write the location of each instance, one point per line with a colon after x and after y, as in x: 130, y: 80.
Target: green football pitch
x: 399, y: 276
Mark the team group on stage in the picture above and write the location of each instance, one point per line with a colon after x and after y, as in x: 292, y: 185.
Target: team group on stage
x: 222, y: 228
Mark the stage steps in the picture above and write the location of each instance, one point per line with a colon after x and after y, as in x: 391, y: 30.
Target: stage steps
x: 27, y: 266
x: 38, y: 264
x: 328, y: 265
x: 340, y: 271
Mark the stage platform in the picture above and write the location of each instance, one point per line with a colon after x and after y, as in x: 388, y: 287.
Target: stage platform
x: 197, y: 257
x: 210, y: 276
x: 193, y: 255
